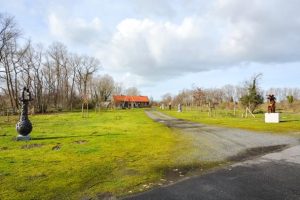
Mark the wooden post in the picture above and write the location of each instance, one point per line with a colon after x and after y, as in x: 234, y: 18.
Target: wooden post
x: 251, y: 113
x: 7, y: 113
x: 209, y: 109
x: 87, y: 109
x: 234, y: 109
x: 246, y: 113
x: 85, y: 105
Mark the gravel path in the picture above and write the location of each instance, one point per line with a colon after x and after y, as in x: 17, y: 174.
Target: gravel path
x: 219, y: 144
x: 270, y: 176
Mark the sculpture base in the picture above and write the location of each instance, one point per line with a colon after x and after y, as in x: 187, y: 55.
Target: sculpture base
x: 23, y: 138
x: 272, y: 118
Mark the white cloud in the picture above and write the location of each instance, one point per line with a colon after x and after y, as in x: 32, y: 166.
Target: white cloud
x: 230, y: 33
x: 264, y: 31
x: 146, y: 47
x: 74, y: 30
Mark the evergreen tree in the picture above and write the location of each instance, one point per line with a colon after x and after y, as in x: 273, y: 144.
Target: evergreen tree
x: 252, y: 99
x: 290, y: 99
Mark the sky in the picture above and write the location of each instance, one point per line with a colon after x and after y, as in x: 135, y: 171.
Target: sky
x: 164, y: 46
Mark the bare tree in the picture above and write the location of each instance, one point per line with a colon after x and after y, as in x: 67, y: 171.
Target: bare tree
x: 104, y: 87
x: 55, y: 77
x: 12, y: 59
x: 74, y: 63
x: 132, y: 91
x: 8, y: 32
x: 58, y: 59
x: 118, y: 89
x: 49, y: 78
x: 34, y: 76
x: 85, y: 70
x: 167, y: 98
x: 229, y: 93
x: 214, y: 96
x: 199, y: 96
x: 184, y: 97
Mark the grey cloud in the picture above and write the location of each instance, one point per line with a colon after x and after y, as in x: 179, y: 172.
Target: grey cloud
x: 74, y: 30
x: 230, y: 33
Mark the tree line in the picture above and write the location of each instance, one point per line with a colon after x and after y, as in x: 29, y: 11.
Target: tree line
x: 249, y: 94
x: 57, y: 78
x: 61, y: 80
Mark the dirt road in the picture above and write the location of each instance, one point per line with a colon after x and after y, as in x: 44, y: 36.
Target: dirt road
x: 264, y: 176
x: 218, y: 144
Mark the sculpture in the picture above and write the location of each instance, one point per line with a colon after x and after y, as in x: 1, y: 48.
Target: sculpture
x: 170, y: 106
x: 179, y: 108
x: 272, y: 102
x: 24, y: 126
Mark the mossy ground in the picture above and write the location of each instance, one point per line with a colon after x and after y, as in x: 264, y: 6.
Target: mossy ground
x: 70, y: 157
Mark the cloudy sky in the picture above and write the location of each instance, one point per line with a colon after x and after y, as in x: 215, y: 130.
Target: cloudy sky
x: 164, y: 46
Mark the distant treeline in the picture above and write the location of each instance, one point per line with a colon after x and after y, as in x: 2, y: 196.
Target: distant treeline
x: 57, y: 78
x: 229, y: 95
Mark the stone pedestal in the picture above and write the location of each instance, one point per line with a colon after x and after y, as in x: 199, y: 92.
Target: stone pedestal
x: 179, y: 108
x: 272, y: 118
x: 23, y: 138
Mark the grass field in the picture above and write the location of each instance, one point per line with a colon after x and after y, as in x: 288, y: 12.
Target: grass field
x: 70, y: 157
x: 110, y: 153
x: 290, y: 122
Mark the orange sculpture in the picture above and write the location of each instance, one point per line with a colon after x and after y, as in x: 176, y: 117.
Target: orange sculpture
x: 272, y: 102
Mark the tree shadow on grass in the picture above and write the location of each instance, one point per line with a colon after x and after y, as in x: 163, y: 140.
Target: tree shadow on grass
x: 74, y: 136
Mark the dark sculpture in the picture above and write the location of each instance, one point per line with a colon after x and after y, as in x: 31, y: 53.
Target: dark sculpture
x: 272, y: 102
x: 170, y: 106
x: 24, y: 126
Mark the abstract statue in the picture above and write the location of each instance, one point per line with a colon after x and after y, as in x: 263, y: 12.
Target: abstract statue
x: 272, y: 102
x: 24, y: 126
x: 179, y: 108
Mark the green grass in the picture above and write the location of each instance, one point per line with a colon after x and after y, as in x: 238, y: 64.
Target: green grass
x: 71, y: 157
x: 112, y: 152
x: 290, y: 122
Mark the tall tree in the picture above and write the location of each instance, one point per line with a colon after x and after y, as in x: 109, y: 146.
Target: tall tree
x: 33, y: 65
x: 199, y: 96
x: 85, y: 70
x: 253, y: 98
x: 132, y: 91
x: 104, y: 87
x: 167, y: 98
x: 58, y: 59
x: 9, y: 33
x: 118, y: 89
x: 74, y: 63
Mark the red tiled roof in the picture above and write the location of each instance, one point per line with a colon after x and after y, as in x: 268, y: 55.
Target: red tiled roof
x: 123, y: 98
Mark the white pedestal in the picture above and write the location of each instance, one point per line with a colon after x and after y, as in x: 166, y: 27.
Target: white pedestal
x: 271, y: 117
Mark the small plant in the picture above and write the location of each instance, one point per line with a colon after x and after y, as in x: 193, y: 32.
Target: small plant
x: 290, y: 99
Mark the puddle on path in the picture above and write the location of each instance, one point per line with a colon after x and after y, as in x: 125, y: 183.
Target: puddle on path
x: 255, y: 152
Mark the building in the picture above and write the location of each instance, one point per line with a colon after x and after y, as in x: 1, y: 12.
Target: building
x: 122, y: 101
